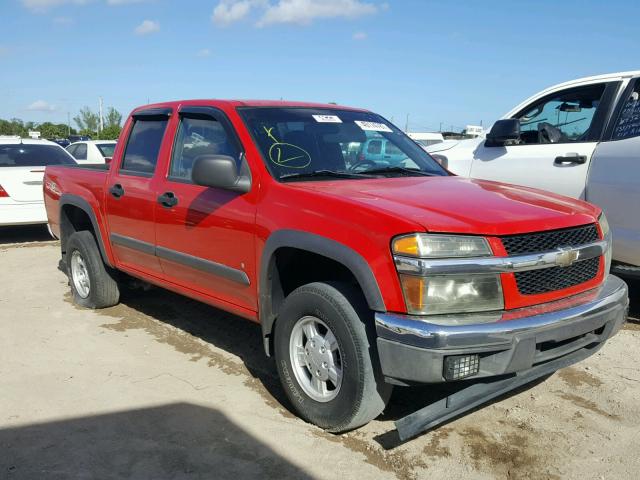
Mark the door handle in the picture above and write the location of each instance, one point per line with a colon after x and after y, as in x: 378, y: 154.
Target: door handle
x: 168, y: 199
x: 116, y: 190
x: 571, y: 158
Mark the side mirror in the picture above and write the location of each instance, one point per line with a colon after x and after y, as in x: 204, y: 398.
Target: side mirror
x: 219, y: 171
x: 503, y: 131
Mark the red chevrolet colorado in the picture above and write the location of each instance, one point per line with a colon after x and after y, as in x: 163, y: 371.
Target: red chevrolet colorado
x: 365, y: 270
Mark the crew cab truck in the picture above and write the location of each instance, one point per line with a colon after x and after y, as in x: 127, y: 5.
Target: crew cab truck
x: 361, y: 278
x: 580, y: 138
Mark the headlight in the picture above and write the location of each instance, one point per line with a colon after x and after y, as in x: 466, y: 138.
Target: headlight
x: 423, y: 245
x: 606, y: 234
x: 438, y: 294
x: 452, y: 293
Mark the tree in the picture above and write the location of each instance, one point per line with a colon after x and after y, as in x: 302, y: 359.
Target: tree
x: 87, y: 120
x: 112, y: 132
x: 113, y: 118
x: 53, y: 130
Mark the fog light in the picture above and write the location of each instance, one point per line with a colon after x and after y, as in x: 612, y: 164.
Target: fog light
x: 461, y: 366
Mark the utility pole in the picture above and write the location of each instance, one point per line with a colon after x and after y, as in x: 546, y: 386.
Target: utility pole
x: 406, y: 124
x: 68, y: 124
x: 440, y: 127
x: 101, y: 121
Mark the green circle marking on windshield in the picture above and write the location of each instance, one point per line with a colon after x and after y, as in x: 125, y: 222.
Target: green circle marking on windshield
x: 286, y: 154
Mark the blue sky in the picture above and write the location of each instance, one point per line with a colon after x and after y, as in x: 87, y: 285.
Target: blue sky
x: 451, y: 62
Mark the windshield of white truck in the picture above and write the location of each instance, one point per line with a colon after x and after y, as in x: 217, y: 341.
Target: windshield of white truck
x: 305, y: 143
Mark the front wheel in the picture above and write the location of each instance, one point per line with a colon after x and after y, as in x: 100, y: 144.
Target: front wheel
x: 325, y: 358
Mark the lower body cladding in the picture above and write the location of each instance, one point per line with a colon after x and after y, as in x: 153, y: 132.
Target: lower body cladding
x: 413, y: 350
x: 503, y: 355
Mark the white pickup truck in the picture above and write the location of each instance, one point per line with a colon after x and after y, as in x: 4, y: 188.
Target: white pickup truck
x: 580, y: 138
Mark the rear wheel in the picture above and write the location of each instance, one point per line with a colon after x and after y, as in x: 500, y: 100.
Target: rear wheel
x: 93, y: 285
x: 326, y: 358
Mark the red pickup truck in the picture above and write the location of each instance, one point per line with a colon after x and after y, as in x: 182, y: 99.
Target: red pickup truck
x: 364, y: 270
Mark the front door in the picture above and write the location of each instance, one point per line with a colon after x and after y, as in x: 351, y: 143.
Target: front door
x: 205, y: 236
x: 558, y: 136
x: 131, y: 197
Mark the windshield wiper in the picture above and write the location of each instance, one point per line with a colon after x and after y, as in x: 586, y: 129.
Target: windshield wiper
x: 324, y: 173
x: 375, y: 171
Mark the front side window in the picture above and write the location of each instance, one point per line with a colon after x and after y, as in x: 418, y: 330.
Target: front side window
x: 197, y: 137
x: 628, y: 124
x: 297, y: 143
x: 563, y: 117
x: 143, y: 146
x: 30, y: 155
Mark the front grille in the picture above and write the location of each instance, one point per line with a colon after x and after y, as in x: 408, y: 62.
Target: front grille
x: 551, y: 240
x: 534, y: 282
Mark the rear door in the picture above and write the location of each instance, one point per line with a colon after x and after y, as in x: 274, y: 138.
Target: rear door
x: 559, y: 133
x: 130, y: 196
x: 205, y: 236
x: 614, y: 178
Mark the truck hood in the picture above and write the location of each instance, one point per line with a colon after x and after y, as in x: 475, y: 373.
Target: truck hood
x: 460, y: 205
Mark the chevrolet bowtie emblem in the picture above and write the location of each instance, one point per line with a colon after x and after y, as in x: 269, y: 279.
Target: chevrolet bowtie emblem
x: 565, y: 258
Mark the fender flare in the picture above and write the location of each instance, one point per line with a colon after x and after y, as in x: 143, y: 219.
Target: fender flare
x: 320, y: 245
x: 82, y: 204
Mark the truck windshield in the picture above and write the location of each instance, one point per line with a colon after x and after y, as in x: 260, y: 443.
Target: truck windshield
x: 29, y: 155
x: 315, y: 144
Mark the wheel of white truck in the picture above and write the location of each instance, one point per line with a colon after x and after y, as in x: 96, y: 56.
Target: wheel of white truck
x: 92, y: 284
x: 324, y: 358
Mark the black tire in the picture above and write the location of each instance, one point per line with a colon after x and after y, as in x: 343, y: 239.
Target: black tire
x: 103, y: 290
x: 363, y: 394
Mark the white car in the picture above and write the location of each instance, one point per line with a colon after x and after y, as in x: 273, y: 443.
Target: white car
x: 22, y: 163
x: 580, y: 138
x: 92, y: 151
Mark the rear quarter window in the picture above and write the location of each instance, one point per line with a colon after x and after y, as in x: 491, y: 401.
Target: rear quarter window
x: 143, y: 146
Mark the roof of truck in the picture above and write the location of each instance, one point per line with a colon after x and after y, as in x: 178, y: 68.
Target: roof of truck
x: 248, y: 103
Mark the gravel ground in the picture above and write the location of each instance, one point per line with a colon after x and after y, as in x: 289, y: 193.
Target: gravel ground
x: 164, y: 387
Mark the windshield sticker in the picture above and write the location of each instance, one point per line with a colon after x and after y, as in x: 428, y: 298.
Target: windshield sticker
x: 287, y: 155
x: 327, y: 118
x: 373, y: 126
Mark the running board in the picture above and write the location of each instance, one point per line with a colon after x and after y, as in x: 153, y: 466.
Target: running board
x: 478, y: 394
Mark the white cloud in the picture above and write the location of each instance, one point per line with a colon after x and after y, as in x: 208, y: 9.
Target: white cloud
x: 300, y: 12
x: 359, y: 36
x: 305, y: 11
x: 41, y: 106
x: 230, y: 11
x: 205, y: 52
x: 42, y: 6
x: 147, y: 27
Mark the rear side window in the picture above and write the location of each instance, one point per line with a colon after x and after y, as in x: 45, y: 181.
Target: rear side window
x: 628, y: 124
x: 25, y: 155
x: 141, y: 154
x: 80, y: 153
x: 375, y: 147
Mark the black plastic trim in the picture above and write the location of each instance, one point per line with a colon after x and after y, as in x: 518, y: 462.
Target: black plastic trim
x: 82, y: 204
x: 191, y: 261
x: 133, y: 244
x: 203, y: 265
x: 310, y: 242
x: 153, y: 112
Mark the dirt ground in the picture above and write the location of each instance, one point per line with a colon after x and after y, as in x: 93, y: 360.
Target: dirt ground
x: 164, y: 387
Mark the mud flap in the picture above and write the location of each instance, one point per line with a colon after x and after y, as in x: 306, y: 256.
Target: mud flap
x: 479, y: 393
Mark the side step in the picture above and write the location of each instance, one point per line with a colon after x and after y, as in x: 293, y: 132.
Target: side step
x: 479, y: 393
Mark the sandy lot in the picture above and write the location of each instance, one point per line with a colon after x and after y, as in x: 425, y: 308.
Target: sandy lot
x: 164, y: 387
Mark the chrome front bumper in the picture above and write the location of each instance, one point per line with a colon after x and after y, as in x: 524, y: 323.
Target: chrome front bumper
x: 412, y: 349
